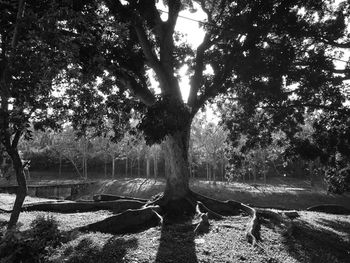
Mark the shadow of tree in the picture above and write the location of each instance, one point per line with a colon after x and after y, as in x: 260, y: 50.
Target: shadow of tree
x: 339, y: 226
x: 315, y: 244
x: 177, y: 244
x: 116, y: 248
x: 90, y: 251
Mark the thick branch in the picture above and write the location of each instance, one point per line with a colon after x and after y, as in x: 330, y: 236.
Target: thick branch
x: 310, y: 105
x: 140, y: 91
x: 16, y: 138
x: 19, y: 16
x: 334, y: 43
x: 197, y: 79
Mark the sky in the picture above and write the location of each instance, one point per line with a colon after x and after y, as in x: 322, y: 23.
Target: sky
x: 194, y: 36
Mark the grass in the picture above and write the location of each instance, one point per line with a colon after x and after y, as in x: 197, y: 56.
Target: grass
x: 317, y: 237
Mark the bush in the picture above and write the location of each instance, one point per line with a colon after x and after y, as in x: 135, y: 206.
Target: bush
x: 338, y: 181
x: 32, y: 245
x: 45, y: 231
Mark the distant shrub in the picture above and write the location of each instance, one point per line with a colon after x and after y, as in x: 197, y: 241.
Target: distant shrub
x: 32, y: 245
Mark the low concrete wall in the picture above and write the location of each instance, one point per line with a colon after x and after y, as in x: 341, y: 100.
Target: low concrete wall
x: 58, y: 191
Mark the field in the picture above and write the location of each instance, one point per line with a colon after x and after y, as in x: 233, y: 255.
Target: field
x: 316, y: 237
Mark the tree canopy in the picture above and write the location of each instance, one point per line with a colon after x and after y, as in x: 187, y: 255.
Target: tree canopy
x: 273, y: 60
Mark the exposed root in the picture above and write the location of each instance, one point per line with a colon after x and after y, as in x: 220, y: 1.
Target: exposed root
x: 107, y: 197
x: 253, y: 229
x: 330, y: 209
x: 219, y: 207
x: 230, y: 208
x: 135, y: 214
x: 282, y: 219
x: 129, y: 221
x: 203, y: 224
x: 73, y: 207
x: 211, y: 214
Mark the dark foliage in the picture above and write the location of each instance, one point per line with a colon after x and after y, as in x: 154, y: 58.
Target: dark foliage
x: 30, y: 246
x: 165, y: 117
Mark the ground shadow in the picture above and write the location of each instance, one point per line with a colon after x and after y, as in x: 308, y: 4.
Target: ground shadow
x: 116, y: 248
x: 89, y: 250
x: 339, y: 226
x: 312, y: 243
x: 177, y: 244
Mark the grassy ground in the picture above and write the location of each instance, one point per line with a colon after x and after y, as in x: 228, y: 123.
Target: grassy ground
x: 317, y: 237
x: 286, y: 194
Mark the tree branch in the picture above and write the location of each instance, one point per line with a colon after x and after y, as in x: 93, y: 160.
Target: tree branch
x: 310, y: 105
x: 16, y: 138
x: 19, y: 16
x: 197, y: 78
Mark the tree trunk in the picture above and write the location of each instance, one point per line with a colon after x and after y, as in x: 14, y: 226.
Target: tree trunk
x: 21, y: 190
x: 105, y: 165
x: 126, y: 166
x: 85, y: 167
x: 138, y: 167
x: 113, y: 167
x: 60, y: 167
x: 147, y: 167
x: 155, y: 166
x: 177, y: 180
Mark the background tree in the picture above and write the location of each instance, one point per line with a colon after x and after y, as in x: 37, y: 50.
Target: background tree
x: 28, y: 66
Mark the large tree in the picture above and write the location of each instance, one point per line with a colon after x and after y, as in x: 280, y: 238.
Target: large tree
x: 255, y: 49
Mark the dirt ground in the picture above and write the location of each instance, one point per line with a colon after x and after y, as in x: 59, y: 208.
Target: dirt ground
x: 316, y: 237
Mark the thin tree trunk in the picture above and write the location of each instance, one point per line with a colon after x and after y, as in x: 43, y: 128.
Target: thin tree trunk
x: 148, y: 167
x: 86, y: 168
x: 131, y: 164
x: 113, y: 166
x: 60, y: 166
x: 155, y: 166
x: 126, y: 166
x: 21, y: 190
x: 11, y: 148
x: 138, y: 167
x: 105, y: 165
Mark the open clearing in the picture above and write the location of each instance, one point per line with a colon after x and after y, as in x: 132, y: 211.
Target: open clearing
x: 317, y: 237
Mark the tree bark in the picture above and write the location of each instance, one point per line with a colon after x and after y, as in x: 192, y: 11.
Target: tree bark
x: 155, y: 165
x: 60, y: 166
x: 138, y: 167
x: 21, y: 190
x: 148, y: 167
x: 126, y: 166
x: 113, y: 166
x: 177, y: 180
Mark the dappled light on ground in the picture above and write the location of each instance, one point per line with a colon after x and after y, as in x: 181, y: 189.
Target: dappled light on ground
x: 316, y: 237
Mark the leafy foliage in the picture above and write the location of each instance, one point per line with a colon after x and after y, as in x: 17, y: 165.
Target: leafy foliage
x: 31, y: 246
x: 165, y: 117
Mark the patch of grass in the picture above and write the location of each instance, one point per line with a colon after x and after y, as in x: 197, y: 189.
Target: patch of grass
x: 317, y: 237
